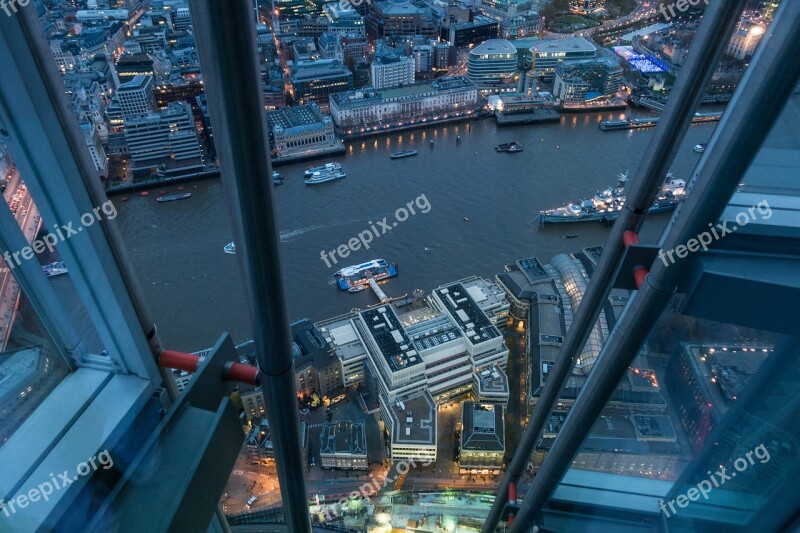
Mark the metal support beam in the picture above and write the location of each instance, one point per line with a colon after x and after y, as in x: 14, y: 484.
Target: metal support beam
x: 709, y: 44
x: 226, y: 41
x: 37, y: 289
x: 49, y: 150
x: 736, y: 141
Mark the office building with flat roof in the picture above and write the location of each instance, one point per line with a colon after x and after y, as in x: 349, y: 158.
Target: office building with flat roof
x: 490, y: 297
x: 490, y: 385
x: 136, y: 97
x: 166, y: 139
x: 343, y: 445
x: 395, y: 362
x: 346, y: 343
x: 344, y: 21
x: 391, y: 18
x: 480, y: 29
x: 483, y: 341
x: 545, y: 55
x: 441, y: 345
x: 411, y: 425
x: 388, y: 71
x: 315, y: 81
x: 577, y: 82
x: 483, y: 442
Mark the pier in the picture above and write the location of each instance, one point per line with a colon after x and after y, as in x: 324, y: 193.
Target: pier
x: 537, y: 116
x: 378, y: 291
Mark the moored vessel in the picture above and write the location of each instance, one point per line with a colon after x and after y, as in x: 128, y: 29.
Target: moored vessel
x: 511, y: 147
x: 606, y: 205
x: 326, y: 167
x: 324, y: 176
x: 403, y: 153
x: 174, y: 197
x: 360, y: 275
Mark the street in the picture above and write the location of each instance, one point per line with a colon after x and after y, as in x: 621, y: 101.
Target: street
x: 26, y: 214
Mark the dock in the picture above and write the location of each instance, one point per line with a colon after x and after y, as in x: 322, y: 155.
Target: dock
x: 537, y: 116
x: 378, y: 291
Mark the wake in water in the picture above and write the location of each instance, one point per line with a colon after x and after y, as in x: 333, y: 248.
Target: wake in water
x: 291, y: 234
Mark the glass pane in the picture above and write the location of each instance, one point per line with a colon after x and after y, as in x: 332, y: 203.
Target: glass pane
x: 705, y: 402
x: 30, y: 364
x: 425, y: 159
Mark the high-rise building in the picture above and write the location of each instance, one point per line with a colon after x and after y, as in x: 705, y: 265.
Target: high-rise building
x: 315, y: 81
x: 492, y: 65
x: 480, y: 29
x: 390, y: 18
x: 130, y: 65
x: 136, y: 97
x: 545, y: 55
x: 166, y: 139
x: 344, y: 21
x: 580, y: 81
x: 391, y: 71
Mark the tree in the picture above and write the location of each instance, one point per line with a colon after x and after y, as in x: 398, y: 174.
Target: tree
x: 555, y: 8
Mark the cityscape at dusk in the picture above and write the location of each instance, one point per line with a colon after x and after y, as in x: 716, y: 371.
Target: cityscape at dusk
x: 446, y: 266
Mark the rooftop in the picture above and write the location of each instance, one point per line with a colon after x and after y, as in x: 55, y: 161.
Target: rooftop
x: 485, y: 293
x: 480, y: 20
x: 370, y: 96
x: 340, y: 334
x: 492, y: 380
x: 343, y: 437
x: 290, y: 117
x: 468, y: 315
x: 398, y: 8
x: 322, y: 68
x: 414, y: 420
x: 392, y: 340
x: 428, y: 331
x: 570, y: 44
x: 483, y: 427
x: 494, y: 46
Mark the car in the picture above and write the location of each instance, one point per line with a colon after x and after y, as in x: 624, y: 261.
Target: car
x: 251, y: 501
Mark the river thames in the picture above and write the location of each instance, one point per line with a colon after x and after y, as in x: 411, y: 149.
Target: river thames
x: 195, y: 291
